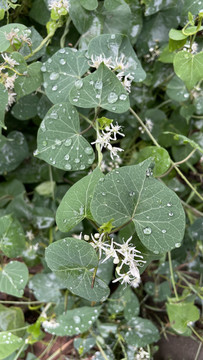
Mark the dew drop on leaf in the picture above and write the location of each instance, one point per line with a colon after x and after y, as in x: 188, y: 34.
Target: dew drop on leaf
x: 132, y: 193
x: 177, y: 245
x: 98, y: 85
x: 88, y: 150
x: 66, y: 157
x: 112, y: 98
x: 68, y: 142
x: 170, y: 214
x: 76, y: 319
x: 147, y: 231
x: 163, y: 231
x: 169, y: 204
x: 77, y: 161
x: 123, y: 97
x: 79, y: 84
x: 54, y: 88
x: 68, y: 167
x: 54, y: 76
x: 62, y: 61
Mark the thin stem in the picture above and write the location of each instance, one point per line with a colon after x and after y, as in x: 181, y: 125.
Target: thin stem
x: 59, y: 351
x: 46, y: 350
x: 178, y: 163
x: 44, y: 42
x: 86, y: 130
x: 172, y: 275
x: 196, y: 333
x: 20, y: 351
x: 51, y: 180
x: 66, y: 30
x: 195, y: 211
x: 187, y: 182
x: 101, y: 350
x: 86, y: 119
x: 189, y: 285
x: 22, y: 302
x: 163, y: 103
x: 198, y: 351
x: 98, y: 147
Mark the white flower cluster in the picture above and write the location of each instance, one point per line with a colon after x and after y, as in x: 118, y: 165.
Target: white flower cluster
x: 118, y: 64
x: 7, y: 80
x: 154, y: 52
x: 50, y: 324
x: 105, y: 136
x: 142, y: 354
x: 111, y: 165
x: 59, y: 4
x: 14, y: 37
x: 122, y: 254
x: 149, y: 124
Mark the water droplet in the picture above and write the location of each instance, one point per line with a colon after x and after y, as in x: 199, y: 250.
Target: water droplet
x: 68, y: 167
x: 45, y: 84
x: 76, y: 319
x: 156, y: 252
x: 62, y: 61
x: 77, y: 161
x: 54, y: 88
x: 42, y: 126
x: 113, y: 36
x: 91, y: 82
x: 132, y: 193
x: 97, y: 96
x: 49, y: 60
x: 163, y: 231
x: 44, y: 143
x: 113, y: 108
x: 123, y: 97
x: 177, y: 245
x: 79, y: 84
x: 58, y: 142
x: 75, y: 100
x: 66, y: 157
x: 112, y: 98
x: 103, y: 193
x: 64, y: 221
x: 54, y: 76
x: 170, y: 214
x: 186, y: 96
x: 62, y: 51
x: 43, y: 68
x: 88, y: 150
x: 68, y: 142
x: 82, y: 167
x: 98, y: 85
x: 149, y: 172
x: 169, y: 204
x: 147, y: 231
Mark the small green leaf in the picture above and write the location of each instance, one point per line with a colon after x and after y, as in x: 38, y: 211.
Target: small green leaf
x: 29, y: 82
x: 142, y: 333
x: 83, y: 345
x: 8, y: 344
x: 160, y: 157
x: 3, y: 104
x: 176, y: 90
x: 6, y: 29
x: 46, y: 287
x: 181, y: 314
x: 176, y: 35
x: 132, y: 194
x: 191, y: 30
x: 159, y: 292
x: 46, y: 188
x: 62, y: 71
x: 10, y: 189
x: 12, y: 238
x: 26, y: 107
x: 101, y: 89
x: 11, y: 318
x: 185, y: 140
x: 72, y: 261
x: 13, y: 278
x: 89, y: 4
x: 72, y: 322
x: 75, y: 205
x: 118, y: 48
x: 59, y: 141
x: 189, y: 67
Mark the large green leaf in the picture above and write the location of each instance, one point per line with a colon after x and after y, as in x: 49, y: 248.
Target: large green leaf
x: 59, y: 140
x: 11, y: 318
x: 194, y: 7
x: 154, y: 6
x: 181, y: 314
x: 46, y: 287
x: 13, y: 278
x: 3, y: 104
x: 8, y: 190
x: 132, y: 194
x: 189, y: 67
x: 29, y: 82
x: 13, y: 151
x: 117, y: 47
x: 12, y: 238
x: 142, y: 333
x: 4, y: 30
x: 89, y: 4
x: 62, y: 71
x: 101, y: 89
x: 75, y: 205
x: 176, y: 90
x: 26, y: 107
x: 72, y: 322
x: 8, y: 344
x: 71, y: 260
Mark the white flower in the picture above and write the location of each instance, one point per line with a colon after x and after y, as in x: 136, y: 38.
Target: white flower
x: 149, y: 124
x: 97, y: 243
x: 58, y: 4
x: 98, y: 59
x: 114, y: 129
x: 110, y: 252
x: 121, y: 62
x: 127, y: 82
x: 142, y: 354
x: 194, y: 47
x: 29, y: 234
x: 9, y: 60
x: 9, y: 83
x: 114, y: 151
x: 11, y: 99
x: 13, y: 34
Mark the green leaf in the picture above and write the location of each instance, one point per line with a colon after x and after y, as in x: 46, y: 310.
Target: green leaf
x: 8, y: 190
x: 160, y: 157
x: 176, y: 90
x: 29, y: 82
x: 189, y: 67
x: 181, y: 314
x: 142, y: 333
x: 195, y: 230
x: 3, y: 104
x: 191, y: 30
x: 154, y: 6
x: 75, y: 205
x: 9, y: 343
x: 132, y: 194
x: 176, y: 35
x: 36, y: 40
x: 62, y: 71
x: 174, y: 45
x: 190, y: 6
x: 11, y: 318
x: 121, y: 298
x: 89, y: 4
x: 26, y: 107
x: 12, y: 238
x: 83, y: 345
x: 71, y: 260
x: 72, y: 322
x: 13, y: 151
x: 132, y: 307
x: 4, y: 30
x: 59, y: 141
x: 159, y: 292
x: 46, y: 188
x: 117, y: 47
x: 39, y: 12
x: 13, y: 278
x: 185, y: 140
x: 101, y: 89
x: 46, y: 287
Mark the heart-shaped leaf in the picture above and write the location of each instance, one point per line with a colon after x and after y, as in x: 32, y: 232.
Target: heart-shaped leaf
x: 132, y: 194
x: 189, y: 67
x: 62, y: 71
x: 3, y: 104
x: 12, y: 238
x: 13, y: 278
x: 75, y: 205
x: 76, y: 321
x: 71, y: 260
x: 46, y: 287
x: 26, y: 107
x: 142, y: 333
x: 6, y: 29
x: 89, y: 4
x: 8, y: 344
x: 176, y: 90
x: 29, y: 82
x: 118, y: 49
x: 101, y: 89
x: 59, y: 141
x: 181, y: 314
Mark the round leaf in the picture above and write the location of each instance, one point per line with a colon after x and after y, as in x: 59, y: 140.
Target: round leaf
x: 13, y: 278
x: 181, y: 314
x: 189, y: 67
x: 8, y: 344
x: 59, y: 141
x: 12, y: 239
x: 160, y: 157
x: 176, y: 90
x: 142, y: 333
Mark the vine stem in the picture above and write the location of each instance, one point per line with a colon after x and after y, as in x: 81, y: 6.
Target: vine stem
x: 196, y: 333
x: 66, y: 30
x: 178, y: 163
x: 20, y: 351
x: 22, y: 302
x: 172, y: 162
x: 44, y: 42
x: 172, y: 275
x: 59, y: 351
